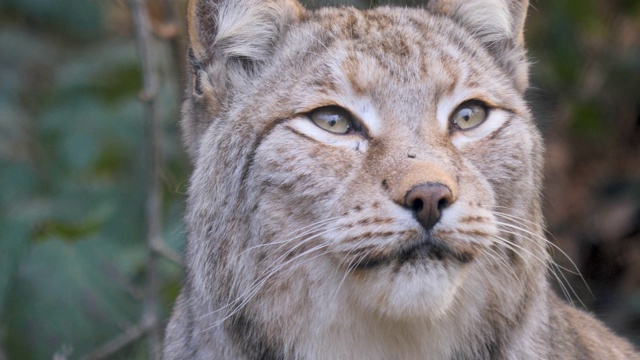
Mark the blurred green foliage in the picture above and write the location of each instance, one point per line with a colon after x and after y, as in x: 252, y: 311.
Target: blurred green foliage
x: 72, y: 155
x: 72, y: 248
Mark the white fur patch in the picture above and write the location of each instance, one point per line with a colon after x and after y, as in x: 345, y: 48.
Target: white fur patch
x: 367, y: 113
x: 420, y: 290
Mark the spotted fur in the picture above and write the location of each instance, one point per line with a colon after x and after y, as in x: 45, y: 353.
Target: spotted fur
x: 301, y: 244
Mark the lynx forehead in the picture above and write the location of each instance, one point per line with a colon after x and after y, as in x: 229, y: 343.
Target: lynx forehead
x: 366, y: 186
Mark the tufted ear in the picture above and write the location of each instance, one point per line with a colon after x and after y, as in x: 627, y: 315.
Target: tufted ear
x: 238, y: 28
x: 229, y: 40
x: 499, y: 24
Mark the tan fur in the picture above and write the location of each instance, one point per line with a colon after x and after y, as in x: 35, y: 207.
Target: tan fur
x: 301, y: 244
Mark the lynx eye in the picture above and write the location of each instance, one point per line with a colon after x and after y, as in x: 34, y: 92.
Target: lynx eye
x: 469, y: 115
x: 333, y: 119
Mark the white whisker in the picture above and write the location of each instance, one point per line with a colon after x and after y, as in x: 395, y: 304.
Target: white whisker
x: 511, y: 217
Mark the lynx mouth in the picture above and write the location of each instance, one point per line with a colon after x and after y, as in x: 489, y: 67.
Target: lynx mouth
x: 426, y: 248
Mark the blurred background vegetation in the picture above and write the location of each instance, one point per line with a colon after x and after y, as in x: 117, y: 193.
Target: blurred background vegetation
x: 73, y: 252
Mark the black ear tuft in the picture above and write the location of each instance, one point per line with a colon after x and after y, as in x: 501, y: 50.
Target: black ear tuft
x: 196, y: 66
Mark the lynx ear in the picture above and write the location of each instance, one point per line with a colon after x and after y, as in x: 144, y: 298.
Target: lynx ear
x: 229, y: 41
x: 223, y: 33
x: 238, y: 28
x: 499, y: 24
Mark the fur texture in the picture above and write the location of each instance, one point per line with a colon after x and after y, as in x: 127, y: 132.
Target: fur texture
x: 302, y: 243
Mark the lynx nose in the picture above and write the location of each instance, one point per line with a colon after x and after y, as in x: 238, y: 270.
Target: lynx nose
x: 427, y: 201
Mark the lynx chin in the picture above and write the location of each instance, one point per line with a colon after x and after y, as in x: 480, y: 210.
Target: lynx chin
x: 366, y: 185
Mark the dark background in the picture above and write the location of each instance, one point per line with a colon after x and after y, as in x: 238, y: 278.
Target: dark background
x: 73, y: 254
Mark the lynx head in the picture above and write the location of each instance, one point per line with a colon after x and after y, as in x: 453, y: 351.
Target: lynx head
x: 381, y: 159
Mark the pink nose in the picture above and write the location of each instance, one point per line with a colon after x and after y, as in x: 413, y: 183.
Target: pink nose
x: 427, y: 201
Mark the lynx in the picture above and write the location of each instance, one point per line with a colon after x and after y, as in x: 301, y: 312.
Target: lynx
x: 366, y: 185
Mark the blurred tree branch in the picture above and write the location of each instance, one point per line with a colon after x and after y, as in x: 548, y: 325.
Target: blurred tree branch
x: 171, y: 16
x: 168, y: 253
x: 112, y: 347
x: 144, y: 40
x: 149, y: 325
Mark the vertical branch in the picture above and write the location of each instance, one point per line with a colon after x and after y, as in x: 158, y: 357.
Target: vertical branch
x: 176, y: 41
x: 149, y: 323
x: 144, y: 41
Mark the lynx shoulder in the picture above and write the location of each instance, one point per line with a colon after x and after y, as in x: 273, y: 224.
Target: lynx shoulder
x: 366, y: 185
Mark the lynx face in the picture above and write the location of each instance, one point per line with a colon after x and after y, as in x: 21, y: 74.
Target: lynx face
x: 360, y: 162
x: 395, y: 150
x: 373, y: 148
x: 366, y: 186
